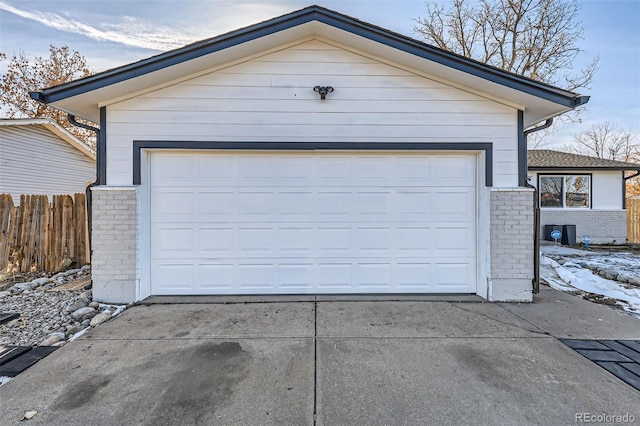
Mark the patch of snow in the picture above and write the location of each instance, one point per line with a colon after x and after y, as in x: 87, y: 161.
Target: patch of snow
x: 4, y: 380
x: 79, y: 333
x: 568, y: 277
x: 117, y: 311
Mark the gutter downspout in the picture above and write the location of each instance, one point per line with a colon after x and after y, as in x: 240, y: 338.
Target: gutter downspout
x: 624, y: 187
x: 536, y: 216
x: 72, y: 119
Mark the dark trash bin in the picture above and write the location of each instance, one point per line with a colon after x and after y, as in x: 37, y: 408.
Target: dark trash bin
x: 548, y: 229
x: 568, y: 235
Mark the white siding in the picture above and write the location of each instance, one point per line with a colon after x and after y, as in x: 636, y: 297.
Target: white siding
x: 35, y: 161
x: 607, y: 190
x: 271, y: 98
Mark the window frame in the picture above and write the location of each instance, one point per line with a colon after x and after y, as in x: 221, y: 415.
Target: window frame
x: 564, y: 190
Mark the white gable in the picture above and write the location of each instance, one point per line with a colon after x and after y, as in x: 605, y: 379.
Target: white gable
x: 270, y: 98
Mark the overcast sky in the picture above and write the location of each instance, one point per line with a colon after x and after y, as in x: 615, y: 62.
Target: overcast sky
x: 110, y: 33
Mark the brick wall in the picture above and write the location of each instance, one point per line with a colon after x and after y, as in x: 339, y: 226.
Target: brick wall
x: 114, y: 243
x: 511, y: 249
x: 602, y: 226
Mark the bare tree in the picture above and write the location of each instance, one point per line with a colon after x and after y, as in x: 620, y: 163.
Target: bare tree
x: 606, y: 141
x: 24, y: 76
x: 537, y: 39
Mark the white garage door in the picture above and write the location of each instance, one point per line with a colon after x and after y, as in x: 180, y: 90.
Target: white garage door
x: 316, y: 222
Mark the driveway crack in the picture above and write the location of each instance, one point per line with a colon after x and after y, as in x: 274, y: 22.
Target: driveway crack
x: 535, y: 329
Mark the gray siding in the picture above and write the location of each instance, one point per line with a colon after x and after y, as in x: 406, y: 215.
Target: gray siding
x: 35, y: 161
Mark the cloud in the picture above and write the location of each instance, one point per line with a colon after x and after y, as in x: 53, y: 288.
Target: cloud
x: 129, y: 31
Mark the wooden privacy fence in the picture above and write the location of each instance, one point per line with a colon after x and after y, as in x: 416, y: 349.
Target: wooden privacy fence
x: 40, y: 235
x: 633, y: 221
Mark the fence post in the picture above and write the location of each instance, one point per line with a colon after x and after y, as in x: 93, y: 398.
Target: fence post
x: 7, y: 217
x: 633, y: 221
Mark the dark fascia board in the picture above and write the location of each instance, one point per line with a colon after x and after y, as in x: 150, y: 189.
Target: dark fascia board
x: 556, y: 168
x: 139, y: 145
x: 303, y: 16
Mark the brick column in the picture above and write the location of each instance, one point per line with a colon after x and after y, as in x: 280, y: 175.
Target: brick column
x: 114, y: 243
x: 512, y: 246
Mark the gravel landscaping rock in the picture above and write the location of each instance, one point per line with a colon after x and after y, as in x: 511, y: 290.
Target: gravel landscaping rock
x: 50, y: 317
x: 82, y: 313
x: 77, y: 305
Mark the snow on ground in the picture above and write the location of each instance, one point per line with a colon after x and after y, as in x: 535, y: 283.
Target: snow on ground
x: 569, y: 270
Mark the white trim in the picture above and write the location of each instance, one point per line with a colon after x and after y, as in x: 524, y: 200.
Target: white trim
x: 483, y: 227
x: 143, y: 287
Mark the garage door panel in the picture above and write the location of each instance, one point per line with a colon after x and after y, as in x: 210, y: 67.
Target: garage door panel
x: 453, y: 171
x: 216, y: 241
x: 334, y: 241
x: 172, y: 276
x: 311, y: 223
x: 371, y: 206
x: 333, y: 206
x: 450, y: 241
x: 370, y: 275
x: 254, y: 276
x: 256, y: 171
x: 172, y: 206
x: 411, y: 172
x: 413, y: 276
x: 411, y: 205
x: 331, y: 171
x: 215, y: 276
x: 334, y: 276
x: 295, y: 206
x: 173, y: 242
x: 292, y: 276
x: 295, y: 241
x: 373, y: 241
x: 454, y: 275
x: 414, y: 241
x: 175, y: 170
x: 216, y: 206
x: 371, y: 171
x: 254, y: 206
x: 256, y: 241
x: 215, y: 171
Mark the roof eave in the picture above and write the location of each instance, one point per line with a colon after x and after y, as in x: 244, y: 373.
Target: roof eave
x: 553, y: 94
x: 558, y: 168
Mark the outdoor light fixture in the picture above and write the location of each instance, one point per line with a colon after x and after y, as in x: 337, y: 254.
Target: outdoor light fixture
x: 323, y: 90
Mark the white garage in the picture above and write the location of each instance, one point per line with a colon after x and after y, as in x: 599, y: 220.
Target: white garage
x: 312, y: 222
x: 312, y: 153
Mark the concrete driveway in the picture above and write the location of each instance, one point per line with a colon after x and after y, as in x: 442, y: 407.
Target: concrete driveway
x: 330, y: 362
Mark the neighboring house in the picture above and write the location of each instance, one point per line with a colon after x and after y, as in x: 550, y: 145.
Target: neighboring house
x: 228, y: 166
x: 38, y: 156
x: 584, y: 191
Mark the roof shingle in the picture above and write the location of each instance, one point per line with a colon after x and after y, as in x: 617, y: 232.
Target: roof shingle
x: 546, y: 159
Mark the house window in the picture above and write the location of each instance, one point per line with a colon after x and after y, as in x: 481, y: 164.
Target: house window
x: 572, y: 191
